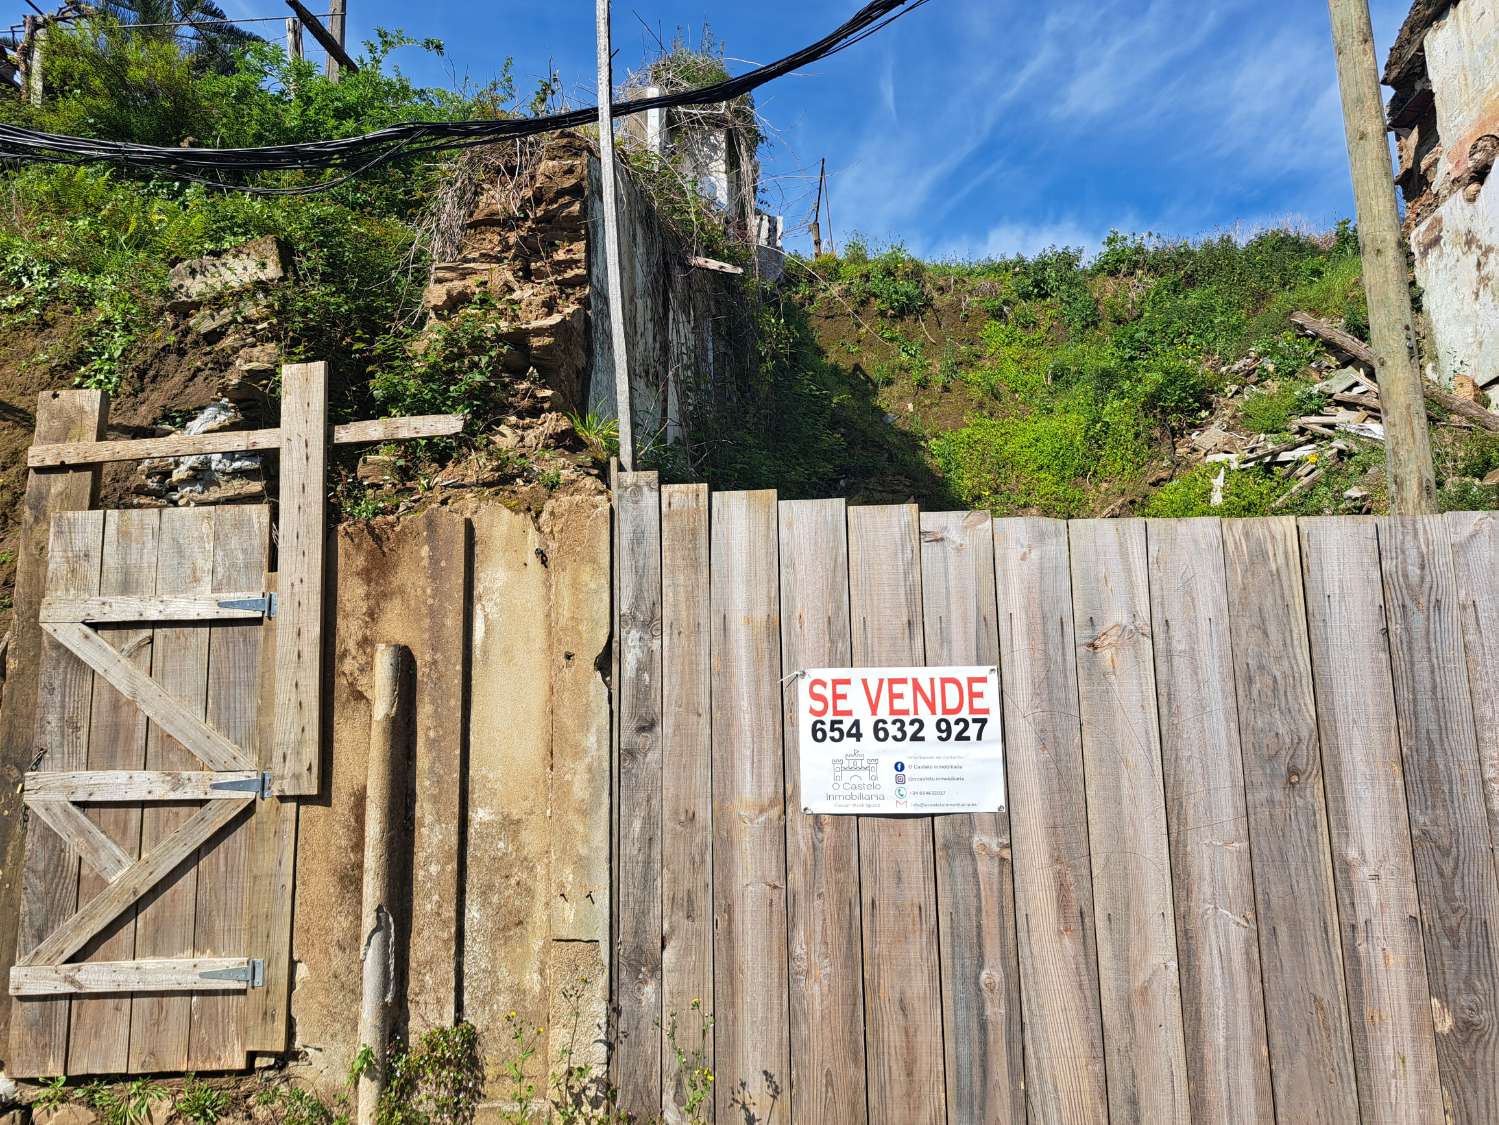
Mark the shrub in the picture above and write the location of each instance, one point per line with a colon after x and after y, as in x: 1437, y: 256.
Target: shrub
x: 1247, y: 492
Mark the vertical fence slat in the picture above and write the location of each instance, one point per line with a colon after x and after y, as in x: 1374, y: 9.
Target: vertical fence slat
x: 49, y: 881
x: 1376, y: 880
x: 241, y: 542
x: 1064, y: 1061
x: 975, y: 879
x: 1475, y: 554
x: 1223, y: 1007
x: 686, y: 784
x: 179, y: 662
x: 99, y: 1042
x: 1449, y: 824
x: 1306, y: 1009
x: 1137, y: 964
x: 751, y: 1035
x: 902, y: 983
x: 639, y: 921
x: 822, y: 852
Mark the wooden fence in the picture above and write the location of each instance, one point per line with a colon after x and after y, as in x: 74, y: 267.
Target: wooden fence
x: 1247, y: 873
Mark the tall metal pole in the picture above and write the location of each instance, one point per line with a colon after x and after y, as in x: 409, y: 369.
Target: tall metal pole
x: 611, y: 241
x: 1391, y: 321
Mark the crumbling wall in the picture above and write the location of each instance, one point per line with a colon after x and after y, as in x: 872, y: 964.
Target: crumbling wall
x: 1445, y: 70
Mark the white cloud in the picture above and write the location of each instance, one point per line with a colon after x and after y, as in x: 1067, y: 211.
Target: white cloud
x: 1005, y: 240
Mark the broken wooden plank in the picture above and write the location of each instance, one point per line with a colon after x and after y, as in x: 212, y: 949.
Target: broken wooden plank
x: 140, y: 608
x: 125, y: 891
x: 179, y: 974
x: 81, y: 834
x: 208, y: 744
x: 302, y: 541
x: 86, y: 786
x: 79, y: 453
x: 713, y: 264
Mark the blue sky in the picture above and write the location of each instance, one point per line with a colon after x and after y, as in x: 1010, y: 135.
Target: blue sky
x: 982, y: 127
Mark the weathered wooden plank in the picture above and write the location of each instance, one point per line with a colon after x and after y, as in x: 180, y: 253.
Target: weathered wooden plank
x: 141, y: 609
x: 87, y: 786
x: 83, y: 836
x: 241, y: 545
x: 147, y: 697
x: 99, y: 1040
x: 1455, y: 874
x: 265, y: 1024
x: 902, y: 981
x: 1137, y: 958
x: 1393, y: 1048
x: 182, y: 974
x: 179, y: 663
x: 1306, y: 1007
x: 822, y: 852
x: 1223, y: 1006
x: 1064, y: 1056
x: 84, y: 452
x: 751, y: 1035
x: 1475, y: 554
x: 39, y: 1027
x: 686, y: 786
x: 301, y: 545
x: 981, y: 1026
x: 125, y: 891
x: 637, y: 986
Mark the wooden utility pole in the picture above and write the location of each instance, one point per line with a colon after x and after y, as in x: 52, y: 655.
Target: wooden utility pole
x: 1391, y: 321
x: 33, y: 46
x: 611, y: 241
x: 822, y: 175
x: 336, y: 17
x: 293, y: 39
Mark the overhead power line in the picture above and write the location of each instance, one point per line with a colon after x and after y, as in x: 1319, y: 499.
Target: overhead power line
x: 356, y: 155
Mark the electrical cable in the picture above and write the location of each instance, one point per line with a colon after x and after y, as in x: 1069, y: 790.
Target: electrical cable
x: 354, y: 156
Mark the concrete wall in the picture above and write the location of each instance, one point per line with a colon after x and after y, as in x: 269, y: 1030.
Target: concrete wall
x: 1456, y: 245
x: 684, y: 327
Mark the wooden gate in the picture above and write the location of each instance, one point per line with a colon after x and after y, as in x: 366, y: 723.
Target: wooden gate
x: 1247, y: 874
x: 139, y: 950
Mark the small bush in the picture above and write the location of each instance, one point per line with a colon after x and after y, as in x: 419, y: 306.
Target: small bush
x: 1248, y: 492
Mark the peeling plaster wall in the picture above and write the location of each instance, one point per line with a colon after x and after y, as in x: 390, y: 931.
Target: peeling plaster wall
x: 1456, y: 246
x: 680, y: 322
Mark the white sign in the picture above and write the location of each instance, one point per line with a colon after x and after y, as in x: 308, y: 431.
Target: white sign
x: 900, y: 740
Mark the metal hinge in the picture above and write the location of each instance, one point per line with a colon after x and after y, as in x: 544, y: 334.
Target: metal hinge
x: 259, y: 785
x: 252, y: 974
x: 265, y: 605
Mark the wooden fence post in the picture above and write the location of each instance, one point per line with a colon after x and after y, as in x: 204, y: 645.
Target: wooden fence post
x: 611, y: 242
x: 1391, y: 321
x: 60, y: 416
x: 390, y: 711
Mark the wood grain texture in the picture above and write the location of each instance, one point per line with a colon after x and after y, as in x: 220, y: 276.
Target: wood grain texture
x: 139, y: 785
x: 98, y: 851
x: 166, y: 607
x: 1132, y: 894
x: 39, y: 1027
x: 141, y: 976
x: 1475, y: 558
x: 751, y: 1035
x: 1389, y: 1006
x: 241, y: 549
x: 822, y: 852
x: 99, y: 1040
x: 117, y: 898
x: 301, y: 545
x: 1063, y: 1026
x: 897, y: 868
x: 179, y: 663
x: 60, y: 416
x: 1223, y: 1007
x: 639, y: 926
x: 145, y: 696
x: 1449, y: 823
x: 1306, y: 1006
x: 686, y: 785
x: 981, y: 1024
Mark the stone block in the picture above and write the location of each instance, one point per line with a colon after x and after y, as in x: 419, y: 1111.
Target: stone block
x: 261, y: 261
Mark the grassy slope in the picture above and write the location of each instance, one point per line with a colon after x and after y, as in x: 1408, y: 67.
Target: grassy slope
x: 1049, y: 386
